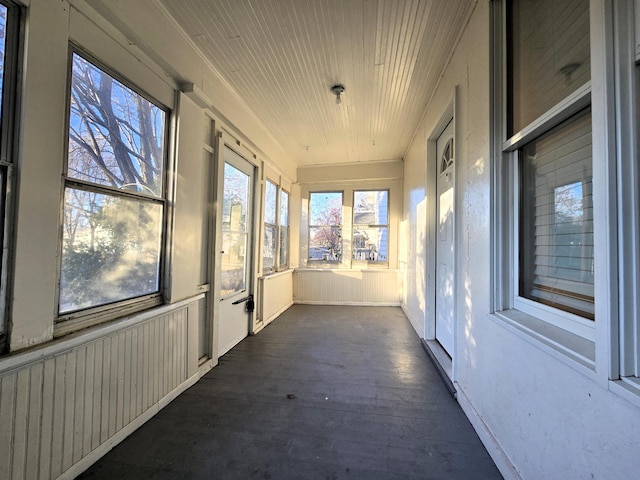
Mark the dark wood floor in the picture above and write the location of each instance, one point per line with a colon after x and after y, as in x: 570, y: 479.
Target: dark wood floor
x: 321, y: 393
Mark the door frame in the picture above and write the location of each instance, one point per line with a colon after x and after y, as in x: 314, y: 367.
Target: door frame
x: 224, y: 140
x: 432, y: 163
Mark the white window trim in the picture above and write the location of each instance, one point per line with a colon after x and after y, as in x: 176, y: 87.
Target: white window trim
x: 277, y: 263
x: 79, y: 319
x: 283, y: 266
x: 265, y: 224
x: 623, y: 196
x: 570, y: 337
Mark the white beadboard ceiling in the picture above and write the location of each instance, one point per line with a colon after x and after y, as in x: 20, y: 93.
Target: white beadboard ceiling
x: 282, y: 57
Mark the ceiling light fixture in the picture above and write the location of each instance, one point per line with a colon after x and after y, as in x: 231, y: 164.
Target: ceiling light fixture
x: 338, y: 90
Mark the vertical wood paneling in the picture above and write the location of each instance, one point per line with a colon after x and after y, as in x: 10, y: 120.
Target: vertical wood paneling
x: 97, y: 395
x: 57, y: 410
x: 80, y: 392
x: 106, y: 384
x: 126, y: 415
x: 89, y: 375
x: 69, y: 390
x: 34, y: 430
x: 20, y: 426
x: 58, y: 416
x: 7, y: 420
x: 119, y: 380
x: 47, y: 418
x: 112, y: 347
x: 140, y: 365
x: 355, y: 287
x: 276, y: 295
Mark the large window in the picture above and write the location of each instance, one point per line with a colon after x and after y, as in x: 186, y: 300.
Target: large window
x: 325, y: 227
x: 275, y: 254
x: 114, y: 200
x: 9, y: 40
x: 370, y: 226
x: 548, y: 162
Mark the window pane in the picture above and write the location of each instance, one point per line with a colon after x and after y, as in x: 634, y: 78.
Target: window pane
x: 284, y: 247
x: 284, y: 208
x: 325, y: 243
x: 111, y: 249
x: 270, y: 203
x: 235, y: 202
x: 269, y: 248
x: 234, y: 248
x: 325, y: 208
x: 371, y: 207
x: 556, y: 225
x: 370, y: 244
x: 549, y: 56
x: 235, y: 215
x: 116, y: 137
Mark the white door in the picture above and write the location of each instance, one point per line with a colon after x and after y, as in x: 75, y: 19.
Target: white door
x: 445, y: 258
x: 237, y: 251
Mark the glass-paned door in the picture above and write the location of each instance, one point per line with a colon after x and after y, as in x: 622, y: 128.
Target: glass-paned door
x: 237, y: 250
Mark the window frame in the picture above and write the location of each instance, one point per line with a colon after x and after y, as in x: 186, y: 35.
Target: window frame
x: 9, y: 130
x: 283, y: 227
x: 66, y: 322
x: 339, y: 261
x: 572, y: 335
x: 278, y: 265
x: 354, y: 225
x: 274, y: 225
x: 624, y: 236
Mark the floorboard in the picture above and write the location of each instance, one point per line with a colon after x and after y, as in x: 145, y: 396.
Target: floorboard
x: 324, y: 392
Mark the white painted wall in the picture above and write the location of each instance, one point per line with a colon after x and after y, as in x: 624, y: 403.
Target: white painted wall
x: 534, y: 409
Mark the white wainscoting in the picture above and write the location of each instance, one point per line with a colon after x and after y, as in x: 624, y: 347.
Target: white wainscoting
x: 64, y: 405
x: 346, y: 287
x: 275, y: 295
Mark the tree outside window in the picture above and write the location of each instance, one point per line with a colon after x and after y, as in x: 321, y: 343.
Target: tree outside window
x: 113, y: 202
x: 325, y: 227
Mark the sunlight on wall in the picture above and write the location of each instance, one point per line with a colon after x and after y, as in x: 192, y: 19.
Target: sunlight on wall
x: 470, y: 341
x: 478, y: 166
x: 415, y: 289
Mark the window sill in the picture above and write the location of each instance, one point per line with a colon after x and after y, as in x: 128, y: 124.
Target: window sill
x: 574, y: 350
x: 88, y: 318
x: 267, y: 276
x: 16, y: 360
x: 327, y: 268
x: 627, y: 388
